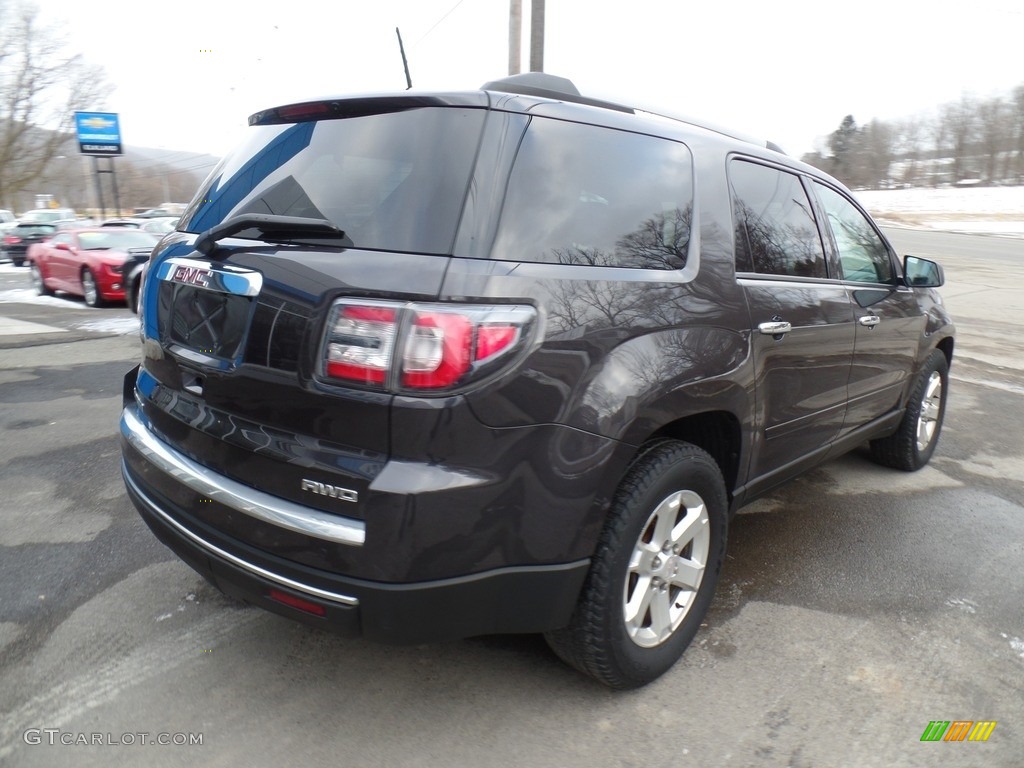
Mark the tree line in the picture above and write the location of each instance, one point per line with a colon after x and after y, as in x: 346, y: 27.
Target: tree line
x: 970, y: 141
x: 42, y: 85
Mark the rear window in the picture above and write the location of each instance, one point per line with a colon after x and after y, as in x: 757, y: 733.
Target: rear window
x: 27, y: 230
x: 583, y: 194
x: 393, y: 182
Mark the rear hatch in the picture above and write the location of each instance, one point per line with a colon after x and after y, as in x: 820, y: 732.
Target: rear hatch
x: 352, y: 198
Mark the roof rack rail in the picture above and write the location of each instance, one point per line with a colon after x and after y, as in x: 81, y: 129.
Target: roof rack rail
x: 554, y: 87
x: 548, y: 87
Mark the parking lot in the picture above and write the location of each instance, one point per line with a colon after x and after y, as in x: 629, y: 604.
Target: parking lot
x: 857, y: 605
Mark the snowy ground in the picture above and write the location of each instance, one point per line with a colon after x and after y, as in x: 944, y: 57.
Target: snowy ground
x: 982, y: 210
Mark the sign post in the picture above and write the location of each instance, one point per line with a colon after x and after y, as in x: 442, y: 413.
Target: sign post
x: 99, y: 135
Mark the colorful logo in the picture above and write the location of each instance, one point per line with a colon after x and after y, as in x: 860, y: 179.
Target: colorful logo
x: 98, y: 123
x: 958, y: 730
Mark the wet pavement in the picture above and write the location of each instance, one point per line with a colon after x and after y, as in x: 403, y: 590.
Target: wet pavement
x: 857, y: 604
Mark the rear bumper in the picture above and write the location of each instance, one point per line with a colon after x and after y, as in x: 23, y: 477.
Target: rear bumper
x: 515, y: 599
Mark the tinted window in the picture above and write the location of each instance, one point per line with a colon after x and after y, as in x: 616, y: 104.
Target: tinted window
x: 27, y: 230
x: 580, y: 194
x: 393, y: 181
x: 775, y: 229
x: 862, y: 253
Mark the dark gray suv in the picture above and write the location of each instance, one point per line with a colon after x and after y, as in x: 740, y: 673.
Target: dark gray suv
x: 421, y: 367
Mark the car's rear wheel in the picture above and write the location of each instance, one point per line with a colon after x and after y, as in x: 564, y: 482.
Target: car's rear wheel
x: 37, y: 281
x: 90, y: 289
x: 912, y: 445
x: 655, y: 570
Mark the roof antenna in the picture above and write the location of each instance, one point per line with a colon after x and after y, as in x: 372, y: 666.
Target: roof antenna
x: 405, y: 62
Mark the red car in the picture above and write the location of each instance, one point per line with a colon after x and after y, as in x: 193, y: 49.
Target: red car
x: 88, y: 262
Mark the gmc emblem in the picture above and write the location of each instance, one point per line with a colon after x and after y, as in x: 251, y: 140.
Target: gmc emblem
x: 192, y: 276
x: 333, y: 491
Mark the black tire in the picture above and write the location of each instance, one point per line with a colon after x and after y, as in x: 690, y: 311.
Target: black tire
x: 91, y: 289
x: 598, y: 640
x: 913, y: 443
x: 17, y: 262
x: 132, y: 295
x: 37, y: 281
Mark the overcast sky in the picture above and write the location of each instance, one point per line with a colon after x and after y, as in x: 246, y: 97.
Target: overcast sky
x: 188, y: 73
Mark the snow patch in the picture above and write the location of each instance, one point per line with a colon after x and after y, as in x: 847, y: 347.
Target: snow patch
x: 29, y: 296
x: 1017, y: 645
x: 119, y: 325
x: 967, y: 606
x: 974, y: 210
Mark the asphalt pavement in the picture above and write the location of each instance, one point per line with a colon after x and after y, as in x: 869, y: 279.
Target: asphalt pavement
x: 857, y: 605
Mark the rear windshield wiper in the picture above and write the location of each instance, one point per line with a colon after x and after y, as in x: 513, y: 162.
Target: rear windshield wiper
x: 269, y: 228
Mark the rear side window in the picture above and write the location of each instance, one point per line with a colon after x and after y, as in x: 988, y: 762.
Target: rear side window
x: 776, y: 233
x: 582, y: 194
x: 862, y: 252
x: 394, y: 181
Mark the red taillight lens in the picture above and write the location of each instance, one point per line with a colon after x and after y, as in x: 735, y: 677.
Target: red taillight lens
x: 494, y: 339
x: 428, y: 347
x: 437, y: 350
x: 11, y: 240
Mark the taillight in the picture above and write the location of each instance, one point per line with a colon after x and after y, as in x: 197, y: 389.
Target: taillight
x: 421, y: 347
x: 360, y: 343
x: 11, y: 240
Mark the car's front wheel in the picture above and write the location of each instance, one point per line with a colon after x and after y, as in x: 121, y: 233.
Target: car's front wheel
x: 913, y: 444
x: 655, y: 569
x: 90, y: 289
x: 38, y: 282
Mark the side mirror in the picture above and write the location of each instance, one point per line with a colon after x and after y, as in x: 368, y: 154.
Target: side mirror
x: 63, y: 247
x: 922, y: 273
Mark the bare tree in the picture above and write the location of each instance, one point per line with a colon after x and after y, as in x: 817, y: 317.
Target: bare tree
x: 42, y: 84
x: 875, y: 153
x: 908, y: 148
x: 1018, y: 132
x: 994, y: 132
x: 958, y: 131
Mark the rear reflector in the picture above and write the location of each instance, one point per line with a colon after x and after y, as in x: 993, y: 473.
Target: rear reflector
x: 298, y: 603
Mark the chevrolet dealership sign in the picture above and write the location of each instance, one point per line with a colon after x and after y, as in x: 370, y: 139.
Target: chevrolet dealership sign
x: 98, y: 133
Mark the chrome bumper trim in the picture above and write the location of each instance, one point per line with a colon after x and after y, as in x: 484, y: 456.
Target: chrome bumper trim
x: 234, y: 560
x: 249, y: 501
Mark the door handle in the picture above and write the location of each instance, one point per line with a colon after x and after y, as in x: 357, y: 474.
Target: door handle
x: 776, y: 328
x: 869, y: 321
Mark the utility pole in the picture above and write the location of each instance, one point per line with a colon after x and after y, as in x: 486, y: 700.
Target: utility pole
x: 515, y: 36
x: 537, y: 36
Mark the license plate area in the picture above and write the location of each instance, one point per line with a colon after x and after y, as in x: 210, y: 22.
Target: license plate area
x: 204, y: 312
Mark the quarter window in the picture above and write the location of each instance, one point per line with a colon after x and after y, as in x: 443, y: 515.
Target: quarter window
x: 862, y: 253
x: 776, y: 233
x: 582, y: 194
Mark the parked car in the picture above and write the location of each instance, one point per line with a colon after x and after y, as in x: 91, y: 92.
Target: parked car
x: 160, y: 226
x: 82, y: 223
x: 129, y: 223
x: 48, y: 215
x: 88, y: 262
x: 421, y: 367
x: 157, y: 213
x: 7, y: 220
x: 134, y: 273
x: 16, y: 241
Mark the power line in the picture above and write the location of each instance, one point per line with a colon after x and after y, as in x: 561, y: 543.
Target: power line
x: 437, y: 23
